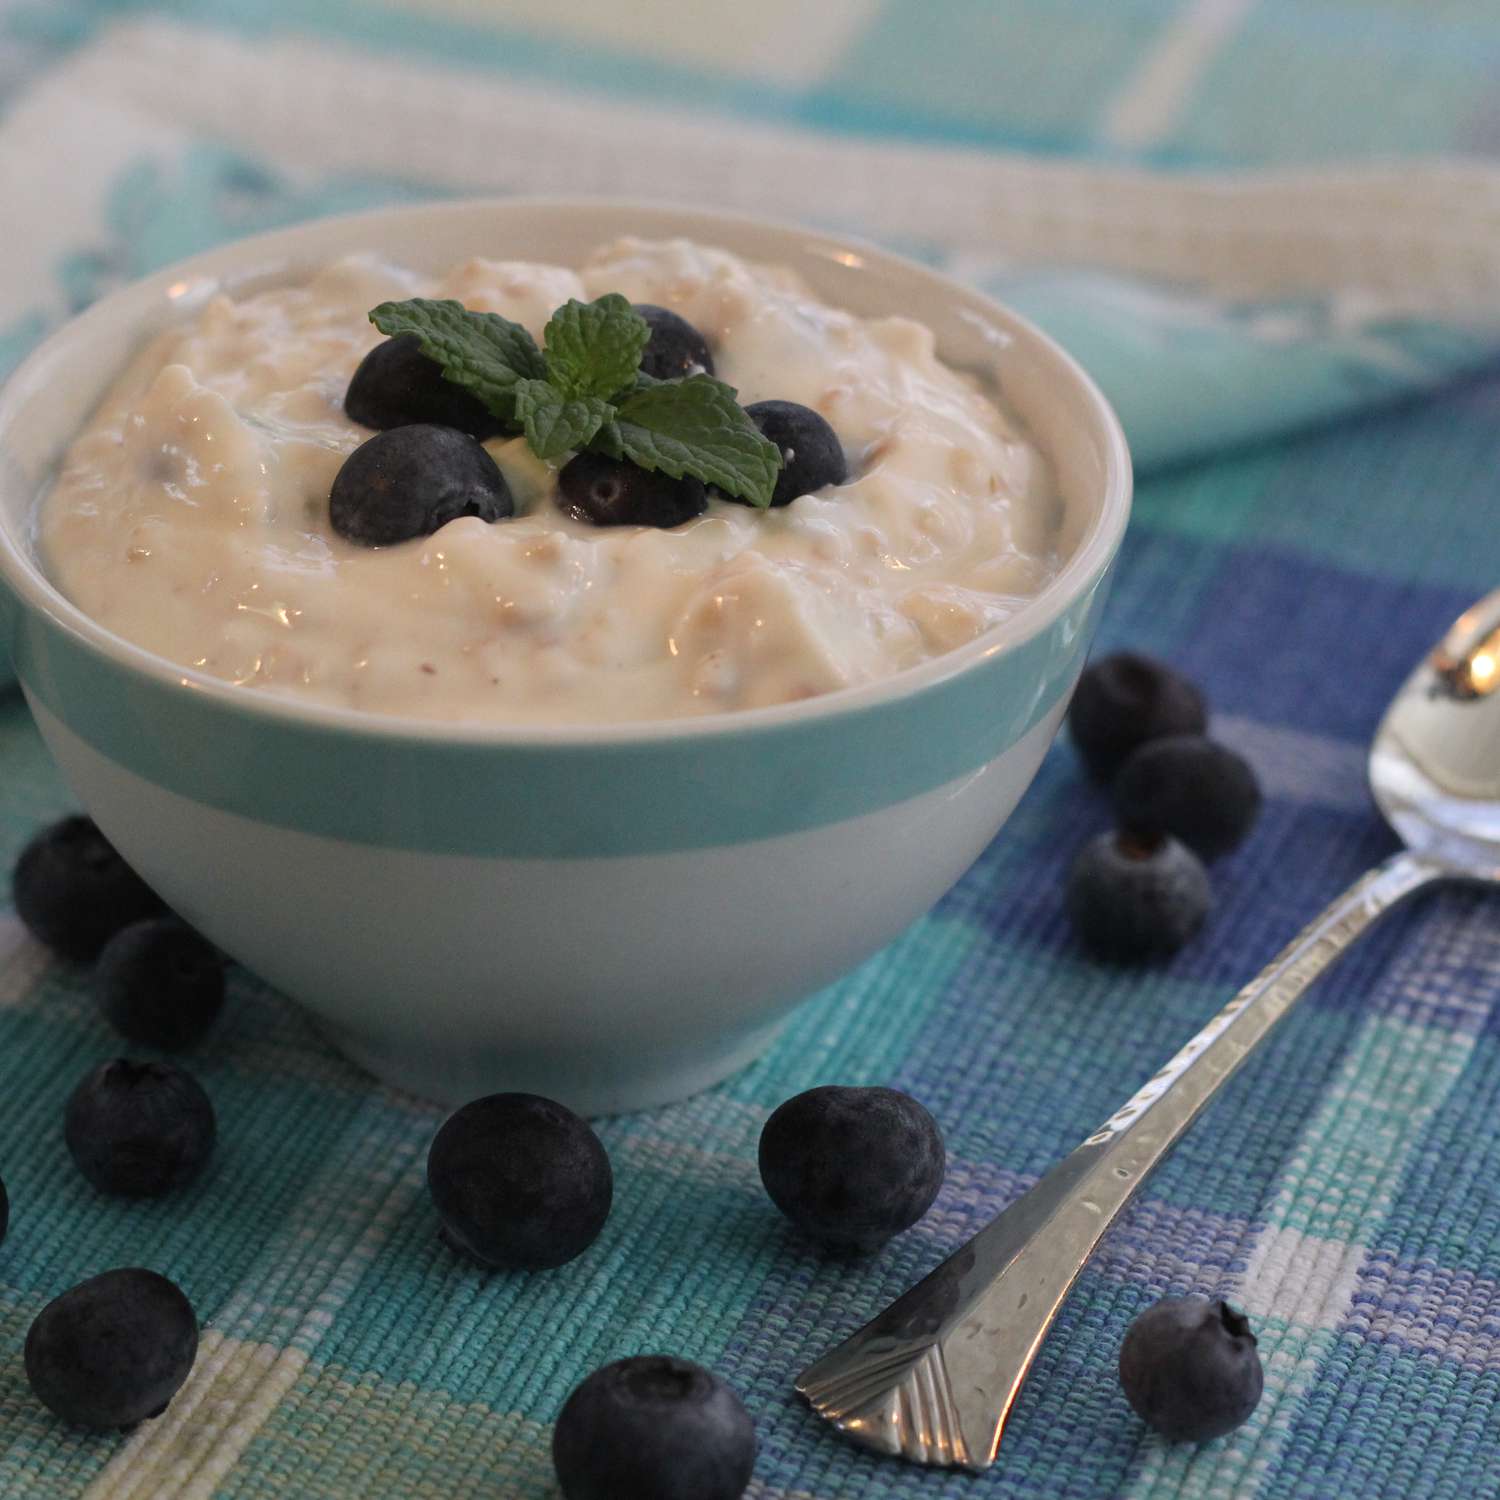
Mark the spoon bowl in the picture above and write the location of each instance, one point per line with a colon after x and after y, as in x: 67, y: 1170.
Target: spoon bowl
x: 1435, y: 762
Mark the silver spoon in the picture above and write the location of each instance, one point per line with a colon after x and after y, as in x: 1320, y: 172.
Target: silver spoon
x: 933, y: 1378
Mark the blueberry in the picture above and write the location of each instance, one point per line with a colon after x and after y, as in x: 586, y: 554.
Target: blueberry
x: 1135, y: 898
x: 396, y: 384
x: 653, y: 1428
x: 675, y: 348
x: 850, y: 1167
x: 74, y: 892
x: 615, y: 492
x: 1125, y: 700
x: 519, y: 1182
x: 1189, y: 1367
x: 139, y: 1130
x: 160, y: 984
x: 413, y: 480
x: 811, y: 457
x: 114, y: 1350
x: 1191, y: 788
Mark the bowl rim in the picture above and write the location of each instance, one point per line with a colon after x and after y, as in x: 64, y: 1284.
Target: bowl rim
x: 21, y: 570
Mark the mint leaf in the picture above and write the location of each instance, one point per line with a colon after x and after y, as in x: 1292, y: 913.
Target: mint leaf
x: 482, y: 352
x: 694, y: 426
x: 607, y: 440
x: 556, y: 424
x: 593, y: 348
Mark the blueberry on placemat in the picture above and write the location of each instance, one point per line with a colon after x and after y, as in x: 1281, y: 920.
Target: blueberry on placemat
x: 653, y: 1428
x: 614, y: 492
x: 160, y: 984
x: 396, y: 385
x: 520, y: 1182
x: 1199, y: 792
x: 139, y: 1129
x: 411, y: 481
x: 74, y: 892
x: 850, y: 1167
x: 812, y: 457
x: 1124, y: 700
x: 1189, y: 1367
x: 675, y: 347
x: 114, y: 1350
x: 1132, y: 898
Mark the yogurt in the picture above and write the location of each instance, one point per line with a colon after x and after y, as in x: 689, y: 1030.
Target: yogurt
x: 191, y: 515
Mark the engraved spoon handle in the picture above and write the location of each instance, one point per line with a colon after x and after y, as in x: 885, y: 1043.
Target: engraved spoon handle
x: 933, y: 1378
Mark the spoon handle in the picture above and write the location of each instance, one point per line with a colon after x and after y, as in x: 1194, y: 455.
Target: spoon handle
x: 933, y: 1378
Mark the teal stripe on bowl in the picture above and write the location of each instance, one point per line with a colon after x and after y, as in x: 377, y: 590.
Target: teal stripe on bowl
x: 474, y: 796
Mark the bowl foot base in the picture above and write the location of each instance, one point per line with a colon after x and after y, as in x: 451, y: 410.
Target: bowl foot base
x: 596, y: 1084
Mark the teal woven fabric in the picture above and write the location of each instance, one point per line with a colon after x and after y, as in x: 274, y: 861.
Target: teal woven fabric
x: 1346, y: 1189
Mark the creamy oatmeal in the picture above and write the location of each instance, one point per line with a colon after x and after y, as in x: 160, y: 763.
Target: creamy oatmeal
x: 191, y: 516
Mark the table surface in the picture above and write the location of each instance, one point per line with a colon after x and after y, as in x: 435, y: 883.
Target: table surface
x: 1345, y: 1189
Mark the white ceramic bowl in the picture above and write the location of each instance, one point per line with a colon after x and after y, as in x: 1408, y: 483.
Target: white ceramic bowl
x: 615, y: 916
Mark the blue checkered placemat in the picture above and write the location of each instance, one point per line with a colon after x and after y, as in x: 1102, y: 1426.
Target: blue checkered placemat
x: 1346, y: 1189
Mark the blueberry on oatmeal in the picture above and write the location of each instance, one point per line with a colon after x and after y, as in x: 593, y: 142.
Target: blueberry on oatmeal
x: 411, y: 481
x: 397, y: 385
x: 675, y: 348
x: 811, y: 456
x: 614, y: 492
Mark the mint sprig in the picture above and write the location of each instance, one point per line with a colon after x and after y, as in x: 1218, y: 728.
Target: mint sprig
x: 584, y: 390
